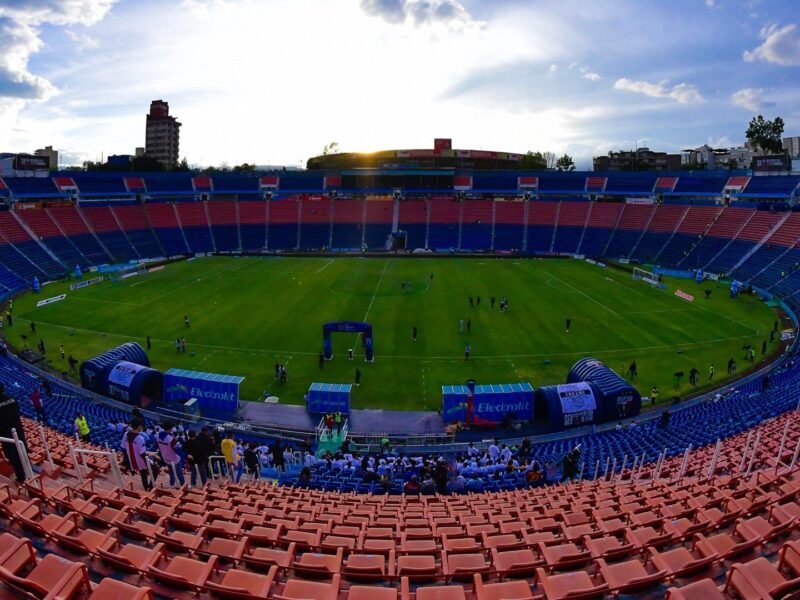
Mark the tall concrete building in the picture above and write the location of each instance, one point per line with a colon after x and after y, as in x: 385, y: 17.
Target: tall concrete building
x: 162, y: 135
x: 792, y: 146
x: 52, y: 156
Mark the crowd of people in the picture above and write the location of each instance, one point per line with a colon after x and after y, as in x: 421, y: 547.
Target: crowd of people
x: 430, y: 474
x: 204, y: 453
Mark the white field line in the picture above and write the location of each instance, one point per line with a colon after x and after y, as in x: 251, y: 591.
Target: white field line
x: 581, y: 292
x: 454, y: 359
x: 325, y: 266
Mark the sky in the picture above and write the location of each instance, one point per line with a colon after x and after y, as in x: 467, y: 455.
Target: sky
x: 273, y: 81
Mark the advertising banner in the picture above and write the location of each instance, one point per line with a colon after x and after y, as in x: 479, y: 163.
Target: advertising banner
x: 326, y: 398
x: 213, y: 391
x: 123, y: 373
x: 83, y: 284
x: 47, y: 301
x: 673, y: 273
x: 489, y: 402
x: 684, y: 295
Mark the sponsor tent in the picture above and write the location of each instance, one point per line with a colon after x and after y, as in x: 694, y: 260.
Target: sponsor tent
x: 477, y: 404
x: 123, y: 373
x: 217, y: 395
x: 616, y: 398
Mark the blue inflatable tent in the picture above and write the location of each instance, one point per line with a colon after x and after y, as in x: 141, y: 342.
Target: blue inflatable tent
x: 617, y: 399
x: 133, y: 382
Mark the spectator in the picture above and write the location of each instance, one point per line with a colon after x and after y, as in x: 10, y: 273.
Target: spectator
x: 82, y: 428
x: 168, y: 447
x: 412, y: 486
x: 137, y: 453
x: 38, y: 406
x: 10, y: 422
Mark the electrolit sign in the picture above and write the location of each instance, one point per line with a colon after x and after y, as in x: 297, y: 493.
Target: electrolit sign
x: 214, y: 392
x: 489, y: 402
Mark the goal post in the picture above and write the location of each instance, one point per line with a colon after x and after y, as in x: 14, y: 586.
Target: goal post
x: 646, y: 276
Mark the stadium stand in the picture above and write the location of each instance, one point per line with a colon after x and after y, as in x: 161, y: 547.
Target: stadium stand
x: 193, y: 220
x: 39, y: 222
x: 163, y: 218
x: 134, y: 223
x: 702, y: 504
x: 105, y: 226
x: 224, y: 225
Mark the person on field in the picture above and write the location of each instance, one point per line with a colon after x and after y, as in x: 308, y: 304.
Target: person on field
x: 693, y: 376
x: 467, y: 350
x: 764, y: 347
x: 337, y: 418
x: 61, y: 351
x: 183, y: 345
x: 357, y: 381
x: 478, y: 302
x: 471, y: 304
x: 73, y: 363
x: 149, y: 344
x: 654, y: 395
x: 414, y: 333
x: 633, y: 370
x: 461, y: 326
x: 567, y: 323
x: 469, y: 325
x: 710, y: 372
x: 186, y: 322
x: 492, y: 301
x: 177, y: 345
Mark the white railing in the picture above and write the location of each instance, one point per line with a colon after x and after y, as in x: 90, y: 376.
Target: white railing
x: 22, y: 452
x: 110, y: 455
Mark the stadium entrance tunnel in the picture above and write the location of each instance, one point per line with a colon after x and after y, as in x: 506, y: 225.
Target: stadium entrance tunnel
x: 365, y: 329
x: 123, y: 373
x: 593, y: 394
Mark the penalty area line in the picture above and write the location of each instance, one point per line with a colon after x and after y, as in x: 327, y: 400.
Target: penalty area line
x: 325, y: 266
x: 581, y: 292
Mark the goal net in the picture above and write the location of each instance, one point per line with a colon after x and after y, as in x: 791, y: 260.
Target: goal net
x: 646, y: 276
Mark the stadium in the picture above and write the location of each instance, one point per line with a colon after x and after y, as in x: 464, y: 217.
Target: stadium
x: 411, y: 373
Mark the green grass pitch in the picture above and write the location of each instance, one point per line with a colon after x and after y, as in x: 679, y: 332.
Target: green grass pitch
x: 248, y: 313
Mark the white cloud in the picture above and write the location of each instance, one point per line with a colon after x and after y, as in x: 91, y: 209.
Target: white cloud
x: 750, y: 99
x: 682, y: 93
x: 553, y: 68
x: 711, y: 3
x: 590, y: 75
x: 83, y: 41
x: 450, y: 13
x: 19, y: 39
x: 781, y: 46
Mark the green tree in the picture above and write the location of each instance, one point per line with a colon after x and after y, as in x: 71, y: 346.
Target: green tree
x: 244, y: 167
x: 182, y: 166
x: 332, y: 148
x: 534, y: 161
x: 565, y: 163
x: 765, y: 135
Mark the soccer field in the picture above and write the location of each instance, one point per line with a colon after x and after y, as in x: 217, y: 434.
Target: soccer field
x: 249, y: 312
